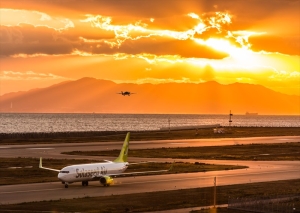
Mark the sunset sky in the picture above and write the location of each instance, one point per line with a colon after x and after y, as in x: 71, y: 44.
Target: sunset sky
x: 44, y: 42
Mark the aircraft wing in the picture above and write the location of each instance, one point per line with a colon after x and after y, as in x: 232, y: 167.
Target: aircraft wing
x: 141, y: 162
x: 41, y: 167
x: 136, y: 173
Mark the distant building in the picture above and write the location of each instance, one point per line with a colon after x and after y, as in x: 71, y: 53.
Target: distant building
x: 251, y: 113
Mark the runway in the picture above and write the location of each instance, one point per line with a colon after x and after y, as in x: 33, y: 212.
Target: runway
x: 257, y: 172
x: 54, y: 150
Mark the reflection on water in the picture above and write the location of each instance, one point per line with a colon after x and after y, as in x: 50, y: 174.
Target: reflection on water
x: 64, y: 122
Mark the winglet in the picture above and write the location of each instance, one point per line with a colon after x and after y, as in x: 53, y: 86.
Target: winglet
x: 41, y: 165
x: 124, y: 151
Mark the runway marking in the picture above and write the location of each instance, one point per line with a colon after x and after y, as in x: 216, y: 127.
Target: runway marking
x: 139, y: 142
x: 14, y: 167
x: 178, y: 143
x: 40, y: 148
x: 30, y: 191
x: 193, y: 178
x: 166, y: 180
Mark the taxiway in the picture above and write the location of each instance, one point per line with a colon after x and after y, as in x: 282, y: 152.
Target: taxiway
x: 258, y: 171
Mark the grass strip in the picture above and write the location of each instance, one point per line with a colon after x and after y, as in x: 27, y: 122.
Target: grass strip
x: 77, y: 137
x: 11, y: 169
x: 220, y: 210
x: 261, y: 152
x: 159, y: 201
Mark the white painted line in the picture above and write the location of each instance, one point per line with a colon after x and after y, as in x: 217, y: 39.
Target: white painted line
x: 206, y: 177
x: 138, y: 142
x: 31, y: 191
x: 177, y: 143
x: 17, y: 167
x: 163, y: 180
x: 40, y: 148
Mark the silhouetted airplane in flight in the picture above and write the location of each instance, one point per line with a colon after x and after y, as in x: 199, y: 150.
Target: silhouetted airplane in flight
x: 126, y: 93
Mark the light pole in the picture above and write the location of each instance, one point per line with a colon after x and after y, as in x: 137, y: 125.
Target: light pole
x: 230, y: 121
x: 215, y: 191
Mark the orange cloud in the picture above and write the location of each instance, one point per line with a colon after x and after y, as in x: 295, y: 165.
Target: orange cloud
x: 181, y: 41
x: 272, y: 43
x: 15, y: 17
x: 28, y: 75
x: 27, y: 39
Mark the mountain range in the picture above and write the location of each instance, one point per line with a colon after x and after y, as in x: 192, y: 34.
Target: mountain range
x: 89, y: 95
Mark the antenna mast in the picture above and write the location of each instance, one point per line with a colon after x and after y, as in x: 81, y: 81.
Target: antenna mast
x: 230, y: 121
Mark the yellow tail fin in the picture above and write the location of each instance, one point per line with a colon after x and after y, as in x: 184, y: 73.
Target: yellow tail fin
x: 124, y: 151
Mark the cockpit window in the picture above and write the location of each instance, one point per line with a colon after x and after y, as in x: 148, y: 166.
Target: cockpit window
x: 64, y: 172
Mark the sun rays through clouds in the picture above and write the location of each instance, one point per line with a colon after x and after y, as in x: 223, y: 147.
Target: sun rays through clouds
x: 153, y: 42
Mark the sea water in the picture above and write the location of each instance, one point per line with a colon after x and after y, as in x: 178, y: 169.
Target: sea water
x: 69, y: 122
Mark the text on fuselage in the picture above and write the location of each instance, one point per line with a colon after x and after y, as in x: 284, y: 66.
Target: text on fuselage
x: 91, y: 173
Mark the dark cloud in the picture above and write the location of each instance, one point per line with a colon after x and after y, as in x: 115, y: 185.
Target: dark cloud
x: 162, y: 46
x: 271, y: 43
x: 255, y: 9
x: 27, y: 39
x: 247, y: 15
x: 132, y: 8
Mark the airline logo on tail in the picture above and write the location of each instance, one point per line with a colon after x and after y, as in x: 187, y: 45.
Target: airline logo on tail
x: 124, y: 151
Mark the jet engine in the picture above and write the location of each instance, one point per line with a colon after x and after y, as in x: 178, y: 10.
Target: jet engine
x: 106, y: 180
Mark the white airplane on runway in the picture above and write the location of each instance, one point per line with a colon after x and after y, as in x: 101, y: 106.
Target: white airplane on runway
x: 98, y: 171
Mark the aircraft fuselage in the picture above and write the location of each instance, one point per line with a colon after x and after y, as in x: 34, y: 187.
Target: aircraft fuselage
x: 88, y: 172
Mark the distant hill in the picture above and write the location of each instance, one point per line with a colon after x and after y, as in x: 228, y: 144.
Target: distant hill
x: 94, y: 95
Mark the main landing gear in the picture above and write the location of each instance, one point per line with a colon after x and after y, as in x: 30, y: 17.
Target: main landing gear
x: 66, y: 184
x: 85, y: 183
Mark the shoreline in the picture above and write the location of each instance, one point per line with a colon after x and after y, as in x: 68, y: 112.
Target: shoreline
x: 112, y: 136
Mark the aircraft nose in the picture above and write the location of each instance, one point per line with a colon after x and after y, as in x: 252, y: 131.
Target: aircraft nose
x: 60, y: 176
